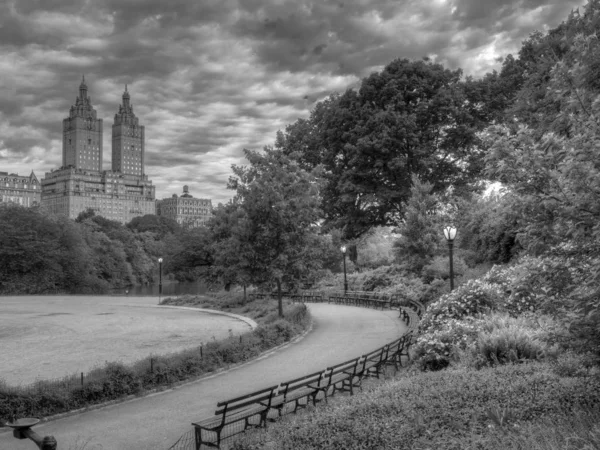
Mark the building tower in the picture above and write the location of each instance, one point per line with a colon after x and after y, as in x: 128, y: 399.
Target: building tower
x: 127, y: 141
x: 82, y: 134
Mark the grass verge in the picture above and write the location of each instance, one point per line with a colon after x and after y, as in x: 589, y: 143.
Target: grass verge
x: 116, y: 381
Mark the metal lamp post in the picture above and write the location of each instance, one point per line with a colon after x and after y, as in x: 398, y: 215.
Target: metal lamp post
x: 450, y: 234
x: 343, y: 249
x: 160, y: 260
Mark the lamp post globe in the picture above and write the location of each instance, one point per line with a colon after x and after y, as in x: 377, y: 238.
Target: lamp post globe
x: 160, y: 261
x: 343, y: 248
x: 450, y: 235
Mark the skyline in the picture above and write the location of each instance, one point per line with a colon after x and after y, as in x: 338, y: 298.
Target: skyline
x: 209, y: 80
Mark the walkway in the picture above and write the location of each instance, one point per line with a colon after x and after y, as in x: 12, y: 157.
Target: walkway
x: 157, y: 421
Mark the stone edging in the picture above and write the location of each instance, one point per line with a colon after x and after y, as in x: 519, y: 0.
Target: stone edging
x: 249, y: 321
x: 179, y: 384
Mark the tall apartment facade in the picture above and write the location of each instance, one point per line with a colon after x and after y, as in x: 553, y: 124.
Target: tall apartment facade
x: 119, y: 194
x: 82, y: 134
x: 185, y: 209
x: 22, y: 190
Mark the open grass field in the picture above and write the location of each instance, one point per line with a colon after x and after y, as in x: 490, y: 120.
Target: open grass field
x: 44, y: 337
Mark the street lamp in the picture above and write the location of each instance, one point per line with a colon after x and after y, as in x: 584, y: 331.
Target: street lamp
x: 450, y: 234
x: 343, y: 249
x: 160, y: 260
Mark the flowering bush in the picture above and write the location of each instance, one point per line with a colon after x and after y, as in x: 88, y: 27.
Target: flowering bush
x: 485, y: 341
x: 472, y: 298
x: 435, y: 349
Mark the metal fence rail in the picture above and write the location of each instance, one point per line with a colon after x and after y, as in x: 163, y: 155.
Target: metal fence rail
x: 185, y: 442
x: 409, y: 315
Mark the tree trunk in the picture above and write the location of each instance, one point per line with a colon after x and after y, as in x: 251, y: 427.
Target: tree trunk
x: 244, y: 294
x: 280, y: 304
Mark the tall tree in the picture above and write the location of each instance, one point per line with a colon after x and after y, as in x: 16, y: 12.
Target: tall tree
x: 414, y: 117
x: 419, y: 229
x: 272, y: 222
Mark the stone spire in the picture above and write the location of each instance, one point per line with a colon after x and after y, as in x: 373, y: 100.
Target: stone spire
x: 125, y: 98
x: 83, y: 106
x: 83, y: 88
x: 125, y: 113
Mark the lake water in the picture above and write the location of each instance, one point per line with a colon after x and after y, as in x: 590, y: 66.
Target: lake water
x: 169, y: 288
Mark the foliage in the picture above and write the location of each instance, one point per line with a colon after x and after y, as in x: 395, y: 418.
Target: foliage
x: 489, y: 227
x: 190, y: 257
x: 455, y: 409
x: 439, y: 267
x: 382, y: 278
x: 419, y: 230
x: 268, y: 233
x: 472, y: 298
x: 42, y: 254
x: 505, y: 339
x: 159, y: 225
x: 413, y: 117
x: 375, y: 248
x: 435, y: 349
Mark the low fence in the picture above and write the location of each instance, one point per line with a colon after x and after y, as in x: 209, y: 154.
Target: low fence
x: 410, y: 311
x: 79, y: 380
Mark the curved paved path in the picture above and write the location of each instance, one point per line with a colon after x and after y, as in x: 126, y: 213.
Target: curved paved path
x: 157, y: 421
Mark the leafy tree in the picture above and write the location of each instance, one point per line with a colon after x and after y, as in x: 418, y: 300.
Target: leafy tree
x: 159, y: 225
x: 555, y: 174
x: 414, y: 117
x: 40, y: 254
x: 419, y: 232
x: 375, y: 248
x: 87, y: 214
x: 488, y: 229
x: 269, y: 230
x: 190, y: 255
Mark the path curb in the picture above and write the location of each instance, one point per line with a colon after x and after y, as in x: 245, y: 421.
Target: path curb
x: 249, y: 321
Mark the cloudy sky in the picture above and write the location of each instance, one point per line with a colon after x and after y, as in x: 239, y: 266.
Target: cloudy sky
x: 209, y: 78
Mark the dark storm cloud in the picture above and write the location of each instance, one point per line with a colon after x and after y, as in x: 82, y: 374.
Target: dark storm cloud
x: 209, y: 78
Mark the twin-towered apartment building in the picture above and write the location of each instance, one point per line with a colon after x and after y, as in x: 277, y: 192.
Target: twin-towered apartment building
x: 121, y: 193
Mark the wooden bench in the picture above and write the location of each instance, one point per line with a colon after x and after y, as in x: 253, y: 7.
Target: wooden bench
x: 231, y: 412
x: 375, y: 361
x: 344, y: 377
x: 306, y: 388
x: 398, y: 349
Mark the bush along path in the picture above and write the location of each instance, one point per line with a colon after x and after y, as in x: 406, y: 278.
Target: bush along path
x: 494, y: 368
x: 117, y: 381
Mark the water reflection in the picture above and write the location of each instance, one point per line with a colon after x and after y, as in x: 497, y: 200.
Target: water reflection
x: 168, y: 288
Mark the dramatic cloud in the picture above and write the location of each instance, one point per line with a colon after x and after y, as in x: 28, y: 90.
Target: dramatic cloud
x: 211, y: 78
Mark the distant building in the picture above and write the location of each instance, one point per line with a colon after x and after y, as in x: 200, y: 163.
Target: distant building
x: 119, y: 194
x: 185, y: 210
x: 22, y: 190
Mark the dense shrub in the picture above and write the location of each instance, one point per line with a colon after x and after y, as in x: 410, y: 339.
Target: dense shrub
x: 563, y: 283
x: 435, y: 349
x: 470, y: 299
x: 486, y: 341
x: 454, y: 409
x: 439, y: 267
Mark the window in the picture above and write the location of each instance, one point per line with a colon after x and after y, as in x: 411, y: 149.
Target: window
x: 89, y: 141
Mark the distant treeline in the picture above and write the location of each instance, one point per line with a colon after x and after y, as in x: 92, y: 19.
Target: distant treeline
x: 43, y: 254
